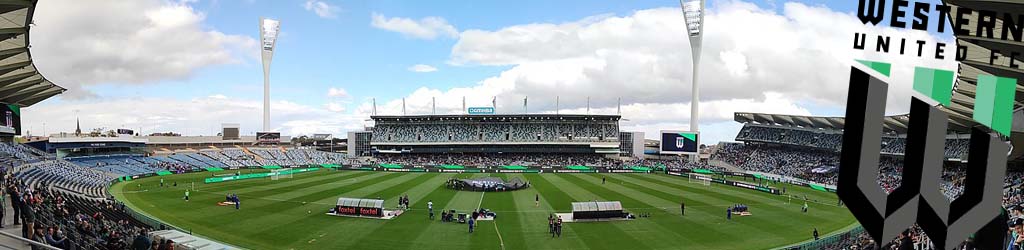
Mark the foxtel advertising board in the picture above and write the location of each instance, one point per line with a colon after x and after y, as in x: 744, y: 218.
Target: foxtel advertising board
x: 675, y: 142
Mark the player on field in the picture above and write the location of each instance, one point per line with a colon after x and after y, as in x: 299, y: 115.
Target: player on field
x: 430, y: 208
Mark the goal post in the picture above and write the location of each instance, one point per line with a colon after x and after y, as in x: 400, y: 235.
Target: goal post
x: 699, y: 178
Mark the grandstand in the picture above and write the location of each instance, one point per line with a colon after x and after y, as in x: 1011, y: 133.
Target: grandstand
x: 540, y: 133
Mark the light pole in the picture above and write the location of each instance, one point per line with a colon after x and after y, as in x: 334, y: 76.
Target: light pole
x: 693, y: 13
x: 269, y: 28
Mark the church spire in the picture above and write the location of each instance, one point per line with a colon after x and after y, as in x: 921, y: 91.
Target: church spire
x: 78, y: 127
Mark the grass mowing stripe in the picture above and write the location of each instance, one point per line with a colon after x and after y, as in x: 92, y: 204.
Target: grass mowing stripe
x: 297, y: 231
x: 760, y: 223
x: 412, y: 222
x: 451, y: 235
x: 664, y: 225
x: 268, y: 183
x: 291, y: 187
x: 829, y: 199
x: 729, y: 194
x: 666, y: 206
x: 308, y: 236
x: 229, y: 223
x: 594, y: 235
x: 277, y: 205
x: 789, y: 222
x: 532, y: 226
x: 411, y: 226
x: 259, y: 225
x: 751, y: 197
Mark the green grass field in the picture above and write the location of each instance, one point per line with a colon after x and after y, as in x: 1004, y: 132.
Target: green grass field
x: 274, y: 214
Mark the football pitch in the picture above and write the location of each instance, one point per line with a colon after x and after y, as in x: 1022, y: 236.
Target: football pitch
x: 289, y: 213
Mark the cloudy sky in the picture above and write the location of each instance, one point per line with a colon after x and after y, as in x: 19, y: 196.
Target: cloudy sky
x: 189, y: 65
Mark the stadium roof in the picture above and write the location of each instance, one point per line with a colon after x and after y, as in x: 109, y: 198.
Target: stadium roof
x: 961, y: 108
x: 979, y: 50
x: 20, y: 81
x: 495, y: 117
x: 895, y: 124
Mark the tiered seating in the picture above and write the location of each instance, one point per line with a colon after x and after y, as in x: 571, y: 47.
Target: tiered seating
x: 86, y: 223
x: 30, y: 150
x: 207, y: 161
x: 956, y: 148
x: 243, y: 158
x: 224, y: 159
x: 191, y: 162
x: 68, y: 176
x: 272, y: 157
x: 514, y: 130
x: 19, y: 153
x: 321, y: 157
x: 118, y: 164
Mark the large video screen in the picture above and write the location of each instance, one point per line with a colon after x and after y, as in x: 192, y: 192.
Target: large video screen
x: 11, y: 123
x: 679, y: 142
x: 268, y: 137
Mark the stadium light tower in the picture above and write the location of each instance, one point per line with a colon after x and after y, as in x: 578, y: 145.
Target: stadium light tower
x: 269, y: 29
x: 693, y: 13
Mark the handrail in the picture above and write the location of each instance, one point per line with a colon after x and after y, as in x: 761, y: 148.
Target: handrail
x: 32, y: 242
x: 830, y: 240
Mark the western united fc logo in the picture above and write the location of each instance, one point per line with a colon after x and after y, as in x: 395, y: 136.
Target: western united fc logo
x: 919, y: 199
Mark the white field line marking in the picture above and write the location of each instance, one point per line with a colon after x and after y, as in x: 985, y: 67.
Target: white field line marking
x: 499, y: 235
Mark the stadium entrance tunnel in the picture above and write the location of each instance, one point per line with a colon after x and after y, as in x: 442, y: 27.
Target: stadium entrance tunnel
x: 487, y: 184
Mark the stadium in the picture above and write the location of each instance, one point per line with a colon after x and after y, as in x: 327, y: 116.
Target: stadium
x: 475, y: 180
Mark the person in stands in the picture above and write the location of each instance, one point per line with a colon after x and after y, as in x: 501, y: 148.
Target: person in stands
x: 141, y: 241
x: 54, y: 237
x: 2, y: 192
x: 15, y: 202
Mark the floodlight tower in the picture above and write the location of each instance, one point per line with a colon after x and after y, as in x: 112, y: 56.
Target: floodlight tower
x: 269, y: 29
x: 693, y: 12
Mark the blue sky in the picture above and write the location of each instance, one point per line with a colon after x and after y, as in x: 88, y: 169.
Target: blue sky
x: 474, y: 50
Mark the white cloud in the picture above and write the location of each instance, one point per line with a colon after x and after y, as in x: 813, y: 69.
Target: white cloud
x: 337, y: 92
x: 196, y: 116
x: 422, y: 68
x: 427, y: 28
x: 128, y: 42
x: 755, y: 60
x: 321, y: 8
x: 335, y: 107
